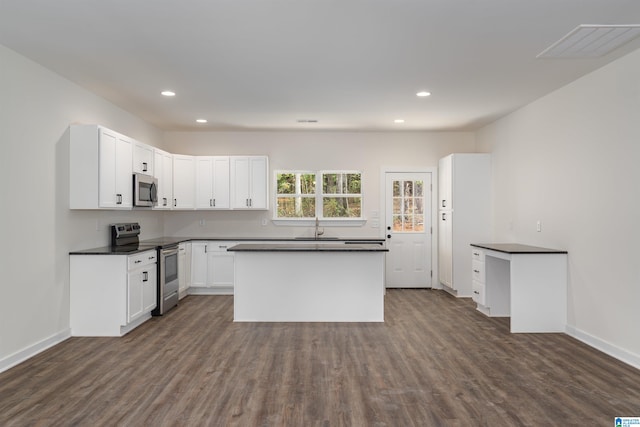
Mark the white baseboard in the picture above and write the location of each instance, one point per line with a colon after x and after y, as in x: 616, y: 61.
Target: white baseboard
x: 605, y: 347
x: 219, y: 290
x: 22, y: 355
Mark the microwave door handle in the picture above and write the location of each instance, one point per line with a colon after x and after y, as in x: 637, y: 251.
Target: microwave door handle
x: 154, y: 193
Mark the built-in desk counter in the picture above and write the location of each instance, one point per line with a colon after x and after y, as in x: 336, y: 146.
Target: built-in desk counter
x: 526, y: 283
x: 309, y: 282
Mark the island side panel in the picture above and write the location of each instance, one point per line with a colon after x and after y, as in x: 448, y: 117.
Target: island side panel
x: 309, y: 287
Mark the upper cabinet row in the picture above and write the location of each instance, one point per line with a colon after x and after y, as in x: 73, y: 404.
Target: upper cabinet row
x: 102, y: 164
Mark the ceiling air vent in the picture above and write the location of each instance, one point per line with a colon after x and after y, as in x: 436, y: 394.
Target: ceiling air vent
x: 587, y: 41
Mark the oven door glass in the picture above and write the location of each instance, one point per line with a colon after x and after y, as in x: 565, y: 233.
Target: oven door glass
x: 170, y: 268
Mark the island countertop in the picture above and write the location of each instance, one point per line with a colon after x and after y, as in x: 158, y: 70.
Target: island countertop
x: 517, y: 248
x: 309, y: 247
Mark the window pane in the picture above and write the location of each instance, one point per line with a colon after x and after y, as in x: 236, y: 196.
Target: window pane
x: 307, y: 183
x: 286, y: 183
x: 419, y: 186
x: 341, y: 207
x: 408, y: 188
x: 296, y: 183
x: 341, y: 183
x: 296, y: 207
x: 396, y: 188
x: 397, y: 206
x: 397, y: 223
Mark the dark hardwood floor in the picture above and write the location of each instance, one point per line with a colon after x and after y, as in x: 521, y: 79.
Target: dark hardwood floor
x: 435, y: 361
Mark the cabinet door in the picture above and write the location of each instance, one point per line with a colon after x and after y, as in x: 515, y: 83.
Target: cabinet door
x: 249, y: 182
x: 134, y: 295
x: 198, y: 264
x: 115, y: 174
x: 445, y: 249
x: 163, y: 172
x: 184, y: 191
x: 258, y: 182
x: 222, y: 269
x: 149, y: 288
x: 204, y: 182
x: 445, y: 183
x: 184, y: 267
x: 143, y: 157
x: 220, y: 185
x: 240, y: 182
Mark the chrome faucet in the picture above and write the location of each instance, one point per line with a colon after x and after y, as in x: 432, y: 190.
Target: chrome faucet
x: 318, y: 232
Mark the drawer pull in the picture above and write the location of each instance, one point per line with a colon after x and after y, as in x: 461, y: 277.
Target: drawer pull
x: 476, y: 292
x: 476, y: 254
x: 476, y: 271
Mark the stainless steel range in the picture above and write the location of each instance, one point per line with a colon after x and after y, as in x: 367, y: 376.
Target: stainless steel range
x: 125, y: 238
x: 167, y: 279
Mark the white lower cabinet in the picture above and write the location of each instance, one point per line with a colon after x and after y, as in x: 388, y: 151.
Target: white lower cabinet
x: 184, y: 268
x: 110, y: 295
x: 212, y: 267
x: 478, y: 277
x: 141, y: 285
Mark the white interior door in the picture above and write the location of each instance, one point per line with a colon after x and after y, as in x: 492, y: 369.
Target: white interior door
x: 408, y: 229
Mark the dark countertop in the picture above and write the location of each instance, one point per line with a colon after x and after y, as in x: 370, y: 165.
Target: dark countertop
x: 308, y: 247
x: 517, y: 248
x: 161, y: 242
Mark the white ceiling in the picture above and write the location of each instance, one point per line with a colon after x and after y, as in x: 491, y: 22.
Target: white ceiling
x: 350, y: 64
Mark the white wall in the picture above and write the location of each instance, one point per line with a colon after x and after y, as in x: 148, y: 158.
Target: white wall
x: 38, y: 230
x: 570, y: 160
x: 365, y: 151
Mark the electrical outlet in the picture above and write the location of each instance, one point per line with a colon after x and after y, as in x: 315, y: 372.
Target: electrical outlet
x: 538, y: 226
x: 202, y: 223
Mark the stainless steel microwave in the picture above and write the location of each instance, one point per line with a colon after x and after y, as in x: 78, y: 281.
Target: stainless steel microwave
x: 145, y: 190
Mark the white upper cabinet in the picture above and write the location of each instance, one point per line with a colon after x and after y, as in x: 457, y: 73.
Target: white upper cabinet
x: 184, y: 182
x: 100, y: 173
x: 163, y: 172
x: 212, y: 182
x: 249, y: 182
x: 143, y: 157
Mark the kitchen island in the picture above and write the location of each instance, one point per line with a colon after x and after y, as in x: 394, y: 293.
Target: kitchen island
x: 309, y: 282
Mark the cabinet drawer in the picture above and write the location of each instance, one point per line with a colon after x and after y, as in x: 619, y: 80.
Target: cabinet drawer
x: 143, y: 258
x: 477, y: 254
x: 478, y: 294
x: 477, y: 272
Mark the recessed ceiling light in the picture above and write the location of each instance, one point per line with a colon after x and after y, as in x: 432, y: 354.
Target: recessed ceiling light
x: 398, y: 121
x: 307, y: 121
x: 168, y: 93
x: 423, y: 94
x: 201, y: 120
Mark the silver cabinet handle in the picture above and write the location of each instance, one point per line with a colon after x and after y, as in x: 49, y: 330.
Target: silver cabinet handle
x: 144, y: 166
x: 476, y: 271
x: 138, y: 261
x: 175, y: 202
x: 164, y: 201
x: 476, y: 292
x: 145, y: 276
x: 118, y: 199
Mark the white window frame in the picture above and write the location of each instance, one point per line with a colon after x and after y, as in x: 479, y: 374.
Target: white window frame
x: 319, y: 196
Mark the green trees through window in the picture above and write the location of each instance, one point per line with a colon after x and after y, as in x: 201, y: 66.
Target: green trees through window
x: 339, y: 196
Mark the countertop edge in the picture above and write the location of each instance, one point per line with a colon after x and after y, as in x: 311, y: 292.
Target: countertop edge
x: 517, y: 248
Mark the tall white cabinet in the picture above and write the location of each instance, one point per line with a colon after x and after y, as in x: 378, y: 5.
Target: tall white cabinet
x: 464, y: 216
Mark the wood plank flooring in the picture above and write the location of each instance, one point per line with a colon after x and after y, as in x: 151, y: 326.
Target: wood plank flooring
x: 434, y: 362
